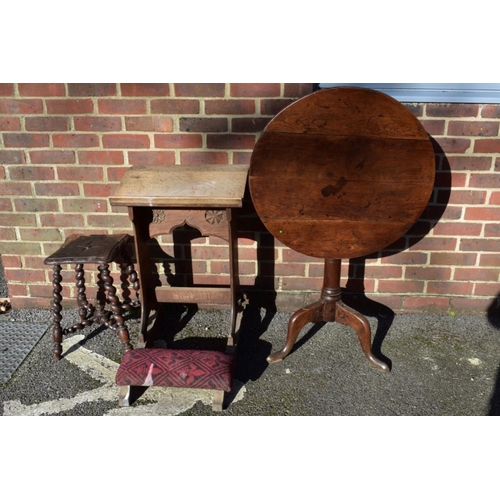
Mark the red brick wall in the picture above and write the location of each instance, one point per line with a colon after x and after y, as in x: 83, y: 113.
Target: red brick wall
x: 64, y: 148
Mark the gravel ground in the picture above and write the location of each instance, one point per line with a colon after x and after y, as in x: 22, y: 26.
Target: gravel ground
x: 440, y: 365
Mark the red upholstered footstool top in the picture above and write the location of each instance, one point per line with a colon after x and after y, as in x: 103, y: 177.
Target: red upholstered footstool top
x: 192, y: 369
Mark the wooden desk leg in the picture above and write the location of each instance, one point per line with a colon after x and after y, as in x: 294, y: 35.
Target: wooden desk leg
x: 330, y: 308
x: 141, y: 218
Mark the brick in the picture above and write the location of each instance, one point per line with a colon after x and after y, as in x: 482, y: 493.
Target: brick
x: 469, y: 162
x: 11, y: 261
x: 92, y: 89
x: 461, y: 197
x: 125, y: 141
x: 79, y: 173
x: 11, y: 157
x: 56, y: 189
x: 230, y: 141
x: 41, y: 89
x: 15, y: 188
x: 17, y: 248
x: 203, y: 124
x: 69, y: 106
x: 481, y: 128
x: 487, y: 289
x: 109, y: 221
x: 277, y: 269
x: 26, y: 140
x: 452, y: 110
x: 405, y: 258
x: 100, y: 158
x: 29, y: 302
x: 249, y: 125
x: 482, y: 213
x: 428, y: 304
x: 487, y: 146
x: 427, y: 273
x: 122, y: 106
x: 84, y: 205
x: 485, y: 180
x: 397, y: 286
x: 149, y: 123
x: 40, y: 234
x: 200, y: 89
x: 5, y: 205
x: 470, y: 305
x: 489, y: 260
x: 13, y: 220
x: 98, y: 123
x: 495, y: 198
x: 10, y: 123
x: 32, y: 173
x: 210, y: 253
x: 241, y: 158
x: 7, y: 234
x: 115, y: 174
x: 97, y: 190
x: 255, y: 89
x: 6, y: 89
x: 453, y: 145
x: 51, y: 157
x: 25, y: 275
x: 476, y: 275
x: 175, y: 106
x: 230, y: 107
x: 274, y: 106
x: 180, y: 141
x: 36, y: 205
x: 490, y: 111
x: 204, y: 158
x: 457, y: 229
x: 449, y: 288
x: 479, y: 245
x: 433, y: 127
x: 298, y: 89
x: 435, y: 243
x: 492, y: 231
x: 300, y: 284
x: 61, y: 220
x: 144, y: 89
x: 151, y: 157
x: 46, y: 123
x: 21, y: 106
x: 383, y: 272
x: 75, y: 140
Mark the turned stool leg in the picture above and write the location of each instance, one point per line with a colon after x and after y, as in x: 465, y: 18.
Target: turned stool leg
x: 83, y: 304
x: 57, y: 331
x: 116, y: 307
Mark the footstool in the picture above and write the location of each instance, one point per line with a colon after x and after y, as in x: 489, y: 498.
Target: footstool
x: 190, y: 369
x: 100, y: 250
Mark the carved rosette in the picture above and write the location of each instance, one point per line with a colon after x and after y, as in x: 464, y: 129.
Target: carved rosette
x: 158, y: 216
x: 214, y: 217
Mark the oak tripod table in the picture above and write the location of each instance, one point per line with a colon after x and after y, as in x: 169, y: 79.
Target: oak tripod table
x: 339, y: 174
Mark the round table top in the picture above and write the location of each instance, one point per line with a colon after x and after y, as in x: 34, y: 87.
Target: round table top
x: 341, y: 173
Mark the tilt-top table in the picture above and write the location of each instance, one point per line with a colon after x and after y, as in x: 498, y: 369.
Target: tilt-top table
x: 338, y: 174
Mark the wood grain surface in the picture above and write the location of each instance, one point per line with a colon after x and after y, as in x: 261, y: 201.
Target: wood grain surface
x: 341, y: 173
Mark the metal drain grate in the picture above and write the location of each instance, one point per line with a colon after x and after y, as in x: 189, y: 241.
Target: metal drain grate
x: 16, y: 342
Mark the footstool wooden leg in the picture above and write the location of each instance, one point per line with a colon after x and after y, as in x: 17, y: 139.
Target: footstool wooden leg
x: 83, y: 304
x: 57, y: 331
x: 218, y: 401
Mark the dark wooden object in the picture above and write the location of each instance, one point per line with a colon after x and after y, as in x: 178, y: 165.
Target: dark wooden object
x: 338, y: 174
x: 160, y: 199
x: 100, y: 250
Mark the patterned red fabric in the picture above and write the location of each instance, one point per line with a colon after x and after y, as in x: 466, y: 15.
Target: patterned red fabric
x: 193, y: 369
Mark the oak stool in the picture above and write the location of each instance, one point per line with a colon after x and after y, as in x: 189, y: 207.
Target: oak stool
x: 100, y: 250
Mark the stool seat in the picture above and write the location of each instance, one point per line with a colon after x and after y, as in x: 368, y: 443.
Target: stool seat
x: 101, y: 250
x: 183, y: 368
x: 93, y: 249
